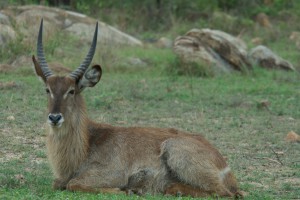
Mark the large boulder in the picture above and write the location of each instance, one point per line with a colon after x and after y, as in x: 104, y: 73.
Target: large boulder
x: 217, y: 50
x: 7, y: 33
x: 27, y: 19
x: 4, y: 19
x: 265, y: 58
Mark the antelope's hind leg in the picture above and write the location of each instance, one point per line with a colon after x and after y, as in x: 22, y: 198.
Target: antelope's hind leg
x: 194, y: 165
x: 179, y: 189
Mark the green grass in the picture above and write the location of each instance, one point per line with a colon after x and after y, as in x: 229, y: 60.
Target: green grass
x: 227, y: 110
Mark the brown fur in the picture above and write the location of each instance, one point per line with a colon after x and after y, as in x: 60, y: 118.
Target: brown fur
x: 93, y: 157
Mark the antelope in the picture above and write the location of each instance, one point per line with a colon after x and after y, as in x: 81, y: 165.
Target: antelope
x: 92, y: 157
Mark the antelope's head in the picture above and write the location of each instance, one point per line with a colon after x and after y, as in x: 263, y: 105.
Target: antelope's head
x: 64, y: 91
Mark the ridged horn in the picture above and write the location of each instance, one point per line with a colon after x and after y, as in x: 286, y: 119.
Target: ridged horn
x: 40, y: 54
x: 88, y: 59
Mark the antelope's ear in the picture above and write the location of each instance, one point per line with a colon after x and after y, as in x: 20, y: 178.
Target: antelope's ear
x: 90, y: 78
x: 38, y: 69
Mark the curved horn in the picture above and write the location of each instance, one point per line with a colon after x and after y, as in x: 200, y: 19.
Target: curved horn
x: 40, y: 54
x: 88, y: 59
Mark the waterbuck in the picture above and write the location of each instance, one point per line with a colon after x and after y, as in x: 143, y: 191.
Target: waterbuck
x: 93, y: 157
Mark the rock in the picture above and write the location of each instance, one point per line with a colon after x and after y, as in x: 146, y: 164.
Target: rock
x: 67, y: 23
x: 292, y: 137
x: 28, y: 23
x: 136, y: 62
x: 28, y: 20
x: 264, y: 57
x: 132, y: 62
x: 4, y: 19
x: 256, y: 40
x: 82, y: 30
x: 215, y: 49
x: 295, y: 37
x: 164, y: 43
x: 11, y: 118
x: 107, y: 33
x: 188, y: 51
x: 7, y: 34
x: 263, y: 20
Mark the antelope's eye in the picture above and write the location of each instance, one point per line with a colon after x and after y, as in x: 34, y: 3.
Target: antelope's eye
x: 72, y: 92
x: 47, y: 91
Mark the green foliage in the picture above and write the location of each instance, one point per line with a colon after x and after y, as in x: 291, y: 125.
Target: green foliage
x: 137, y: 16
x: 17, y: 2
x: 247, y: 8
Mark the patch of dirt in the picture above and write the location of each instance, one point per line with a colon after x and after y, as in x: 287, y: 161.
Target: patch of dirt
x: 14, y: 138
x: 36, y: 143
x: 291, y: 180
x: 8, y: 85
x: 7, y: 156
x: 6, y: 68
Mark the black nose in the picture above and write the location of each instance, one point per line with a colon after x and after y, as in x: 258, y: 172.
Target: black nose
x: 54, y: 118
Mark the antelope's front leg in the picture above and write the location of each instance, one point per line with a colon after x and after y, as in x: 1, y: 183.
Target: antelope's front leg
x: 74, y: 187
x: 59, y: 184
x: 97, y: 183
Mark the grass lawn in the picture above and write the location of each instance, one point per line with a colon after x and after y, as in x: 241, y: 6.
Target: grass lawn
x: 245, y: 116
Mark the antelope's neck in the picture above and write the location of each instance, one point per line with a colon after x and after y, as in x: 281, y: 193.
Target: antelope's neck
x: 68, y: 145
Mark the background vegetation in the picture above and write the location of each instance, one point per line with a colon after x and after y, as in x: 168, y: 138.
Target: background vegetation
x: 247, y: 116
x: 138, y: 16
